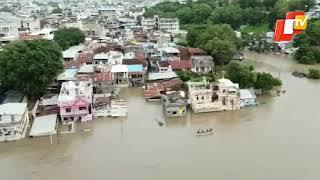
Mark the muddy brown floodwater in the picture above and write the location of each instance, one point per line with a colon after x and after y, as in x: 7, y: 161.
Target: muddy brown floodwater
x: 279, y: 139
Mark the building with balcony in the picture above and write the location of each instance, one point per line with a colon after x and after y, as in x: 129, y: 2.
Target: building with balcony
x: 220, y: 96
x: 75, y: 101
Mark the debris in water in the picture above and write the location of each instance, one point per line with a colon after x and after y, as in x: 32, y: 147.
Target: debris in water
x: 160, y: 123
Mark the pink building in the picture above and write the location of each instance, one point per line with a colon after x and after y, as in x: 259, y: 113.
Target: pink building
x: 75, y: 101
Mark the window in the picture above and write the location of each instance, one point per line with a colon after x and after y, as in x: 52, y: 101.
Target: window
x: 68, y: 109
x: 82, y: 108
x: 174, y: 112
x: 202, y: 97
x: 65, y: 119
x: 197, y: 97
x: 12, y: 118
x: 0, y: 117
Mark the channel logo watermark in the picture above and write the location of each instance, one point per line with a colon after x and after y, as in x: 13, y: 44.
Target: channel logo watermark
x: 295, y: 23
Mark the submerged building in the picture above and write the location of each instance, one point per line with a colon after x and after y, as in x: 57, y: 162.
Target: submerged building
x: 75, y: 101
x: 14, y: 120
x: 220, y: 96
x: 174, y: 104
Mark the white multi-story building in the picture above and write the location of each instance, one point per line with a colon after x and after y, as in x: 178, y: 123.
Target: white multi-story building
x: 221, y: 96
x: 169, y: 24
x: 14, y: 120
x: 163, y: 24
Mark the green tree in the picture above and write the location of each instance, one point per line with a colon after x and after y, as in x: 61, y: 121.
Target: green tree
x: 222, y: 51
x: 231, y: 14
x: 249, y: 3
x: 219, y: 41
x: 314, y: 74
x: 303, y: 5
x: 30, y: 66
x: 266, y: 81
x: 194, y: 33
x: 277, y: 12
x: 305, y: 55
x: 201, y: 12
x: 269, y: 4
x: 67, y: 37
x: 242, y: 74
x: 254, y: 16
x: 185, y: 15
x: 312, y: 33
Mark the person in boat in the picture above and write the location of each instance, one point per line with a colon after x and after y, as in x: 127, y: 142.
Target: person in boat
x: 198, y: 131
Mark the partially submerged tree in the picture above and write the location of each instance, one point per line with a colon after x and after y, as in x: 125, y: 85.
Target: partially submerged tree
x: 67, y: 37
x: 30, y: 66
x: 248, y: 78
x: 314, y: 74
x: 266, y: 81
x: 241, y: 74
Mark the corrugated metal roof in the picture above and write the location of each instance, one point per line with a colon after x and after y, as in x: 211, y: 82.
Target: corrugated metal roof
x: 44, y: 125
x: 13, y: 108
x: 162, y: 75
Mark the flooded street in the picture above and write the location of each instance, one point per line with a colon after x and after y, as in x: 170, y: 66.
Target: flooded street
x: 279, y: 139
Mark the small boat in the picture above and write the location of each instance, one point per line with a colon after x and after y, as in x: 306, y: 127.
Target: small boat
x: 204, y: 132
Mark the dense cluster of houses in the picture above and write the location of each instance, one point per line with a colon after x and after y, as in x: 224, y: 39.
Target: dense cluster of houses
x: 125, y: 52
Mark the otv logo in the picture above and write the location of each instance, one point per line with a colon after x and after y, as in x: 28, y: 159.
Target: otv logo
x: 294, y: 23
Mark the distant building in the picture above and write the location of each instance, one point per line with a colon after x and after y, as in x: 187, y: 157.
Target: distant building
x: 163, y: 24
x: 14, y: 120
x: 108, y: 12
x: 109, y: 58
x: 170, y: 53
x: 71, y: 53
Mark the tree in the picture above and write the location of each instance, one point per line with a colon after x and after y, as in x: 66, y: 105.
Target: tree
x: 254, y: 16
x: 303, y: 5
x: 277, y: 12
x: 266, y: 81
x: 314, y: 74
x: 67, y: 37
x: 242, y: 74
x: 231, y: 14
x: 222, y: 51
x: 193, y: 35
x: 185, y: 15
x: 249, y: 3
x: 201, y: 12
x: 305, y: 55
x: 219, y: 41
x: 30, y: 66
x: 269, y: 3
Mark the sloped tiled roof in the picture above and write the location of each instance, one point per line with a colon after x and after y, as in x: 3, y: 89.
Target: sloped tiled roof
x: 179, y: 65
